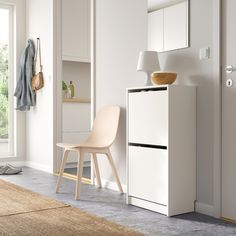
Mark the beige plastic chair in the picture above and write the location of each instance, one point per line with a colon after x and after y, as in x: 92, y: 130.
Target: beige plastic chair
x: 100, y: 140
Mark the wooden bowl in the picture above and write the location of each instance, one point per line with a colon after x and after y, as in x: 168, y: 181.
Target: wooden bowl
x: 159, y: 78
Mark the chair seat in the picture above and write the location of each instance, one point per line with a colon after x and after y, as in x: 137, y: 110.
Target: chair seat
x: 68, y: 145
x: 88, y: 145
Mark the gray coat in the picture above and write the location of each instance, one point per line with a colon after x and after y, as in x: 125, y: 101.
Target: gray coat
x: 26, y: 97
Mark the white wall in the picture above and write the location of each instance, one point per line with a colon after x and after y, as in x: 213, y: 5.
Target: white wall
x: 39, y: 122
x: 121, y: 32
x: 200, y: 73
x: 19, y: 46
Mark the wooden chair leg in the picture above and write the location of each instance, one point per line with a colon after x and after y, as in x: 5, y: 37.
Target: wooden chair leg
x: 96, y: 168
x: 79, y: 173
x: 108, y: 153
x: 63, y: 163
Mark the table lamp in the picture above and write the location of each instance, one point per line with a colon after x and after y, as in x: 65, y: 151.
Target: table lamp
x: 148, y: 62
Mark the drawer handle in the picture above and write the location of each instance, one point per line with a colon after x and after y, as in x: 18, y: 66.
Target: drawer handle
x: 148, y: 146
x: 147, y: 90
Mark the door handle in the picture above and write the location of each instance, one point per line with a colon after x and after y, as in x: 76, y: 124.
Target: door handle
x: 230, y: 69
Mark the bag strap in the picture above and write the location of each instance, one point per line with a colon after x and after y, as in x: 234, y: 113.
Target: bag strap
x: 38, y: 54
x: 39, y: 51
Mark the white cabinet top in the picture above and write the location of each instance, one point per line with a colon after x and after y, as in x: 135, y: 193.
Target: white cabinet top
x: 159, y: 87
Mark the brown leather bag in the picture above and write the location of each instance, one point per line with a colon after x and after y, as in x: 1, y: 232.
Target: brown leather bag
x: 37, y: 80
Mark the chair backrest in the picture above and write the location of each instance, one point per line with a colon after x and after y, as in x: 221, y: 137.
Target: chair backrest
x: 105, y: 126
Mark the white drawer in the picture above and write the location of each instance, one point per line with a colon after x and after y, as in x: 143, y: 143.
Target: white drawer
x: 148, y: 174
x: 75, y: 138
x: 148, y: 117
x: 76, y: 117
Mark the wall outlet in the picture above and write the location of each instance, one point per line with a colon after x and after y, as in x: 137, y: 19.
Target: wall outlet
x: 204, y: 53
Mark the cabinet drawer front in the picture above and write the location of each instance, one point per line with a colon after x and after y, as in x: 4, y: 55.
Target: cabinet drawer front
x: 76, y: 117
x: 76, y: 30
x: 148, y: 117
x: 148, y: 178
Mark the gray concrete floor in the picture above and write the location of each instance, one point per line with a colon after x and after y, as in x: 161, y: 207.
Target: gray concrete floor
x: 111, y: 205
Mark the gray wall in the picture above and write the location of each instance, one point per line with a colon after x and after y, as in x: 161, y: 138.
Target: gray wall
x: 121, y: 34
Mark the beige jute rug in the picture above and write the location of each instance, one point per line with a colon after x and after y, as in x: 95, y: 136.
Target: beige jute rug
x: 15, y: 200
x: 24, y: 213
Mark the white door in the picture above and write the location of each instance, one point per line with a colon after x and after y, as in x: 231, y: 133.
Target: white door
x: 229, y: 110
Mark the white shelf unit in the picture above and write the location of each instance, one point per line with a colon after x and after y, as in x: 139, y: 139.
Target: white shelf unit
x: 76, y: 44
x: 75, y: 125
x: 161, y: 148
x: 76, y: 30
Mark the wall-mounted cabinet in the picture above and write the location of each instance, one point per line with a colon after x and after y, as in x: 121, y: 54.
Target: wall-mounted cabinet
x: 76, y: 44
x: 168, y: 28
x: 76, y: 30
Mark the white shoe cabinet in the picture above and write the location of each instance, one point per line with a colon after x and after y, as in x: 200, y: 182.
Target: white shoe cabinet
x: 161, y: 148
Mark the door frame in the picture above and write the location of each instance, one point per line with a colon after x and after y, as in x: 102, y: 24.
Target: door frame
x: 57, y: 74
x: 57, y: 70
x: 93, y: 72
x: 19, y: 117
x: 217, y: 78
x: 11, y: 82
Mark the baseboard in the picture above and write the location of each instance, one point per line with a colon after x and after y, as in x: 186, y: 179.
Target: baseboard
x: 204, y: 209
x: 29, y: 164
x: 14, y: 163
x: 38, y: 166
x: 112, y: 185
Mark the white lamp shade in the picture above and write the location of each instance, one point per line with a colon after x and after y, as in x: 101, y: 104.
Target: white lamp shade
x: 148, y: 61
